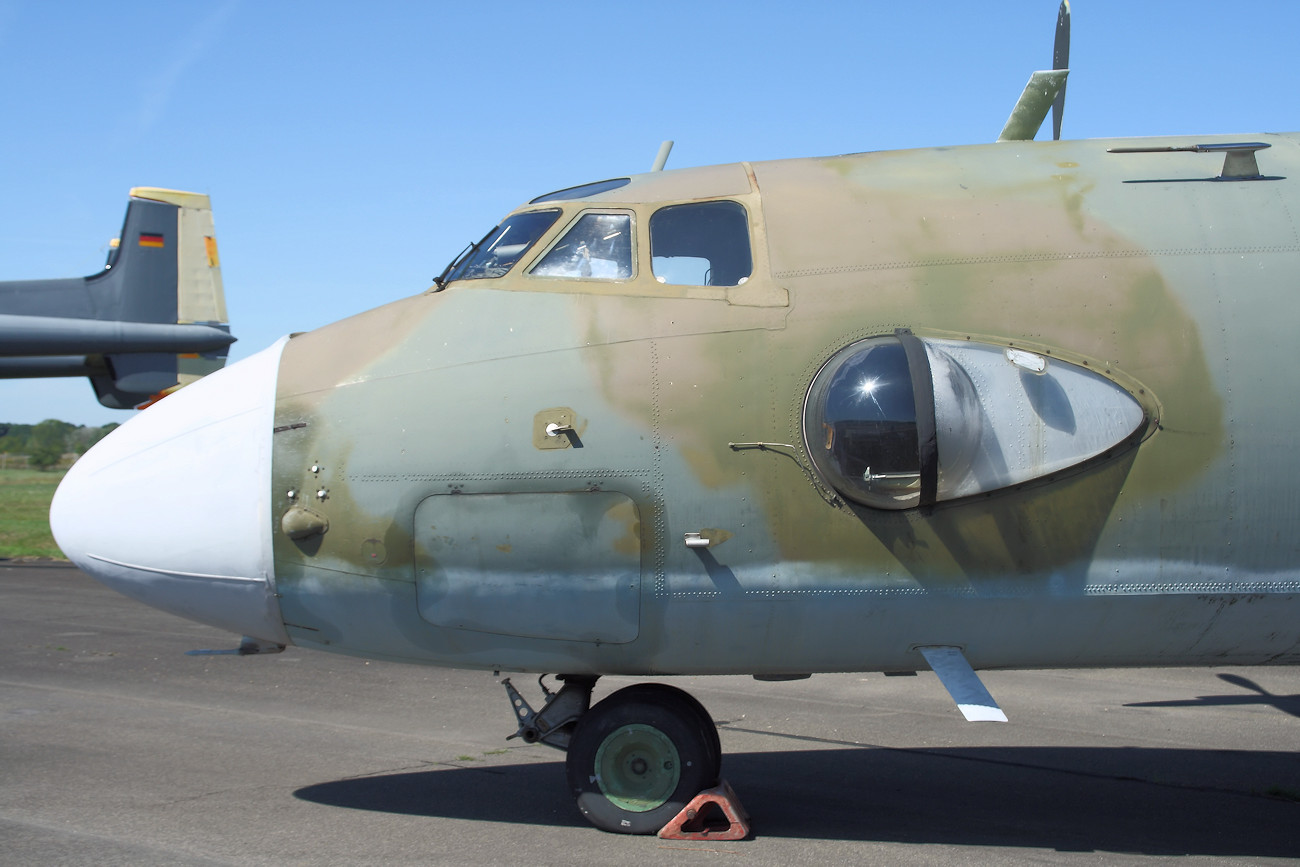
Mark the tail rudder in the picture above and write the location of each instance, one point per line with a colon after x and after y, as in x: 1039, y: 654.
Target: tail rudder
x: 168, y: 270
x: 199, y: 297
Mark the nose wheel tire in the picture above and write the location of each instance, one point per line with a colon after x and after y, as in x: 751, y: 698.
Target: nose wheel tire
x: 663, y: 694
x: 638, y: 757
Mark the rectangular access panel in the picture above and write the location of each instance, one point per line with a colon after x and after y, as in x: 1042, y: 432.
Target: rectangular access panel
x: 555, y: 565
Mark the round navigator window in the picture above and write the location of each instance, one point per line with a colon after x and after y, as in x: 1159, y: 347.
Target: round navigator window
x: 860, y: 424
x: 899, y: 421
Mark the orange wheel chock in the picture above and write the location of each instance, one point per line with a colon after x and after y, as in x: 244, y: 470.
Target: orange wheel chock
x: 714, y: 814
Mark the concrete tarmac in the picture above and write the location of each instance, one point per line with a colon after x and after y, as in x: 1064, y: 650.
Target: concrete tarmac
x: 118, y: 748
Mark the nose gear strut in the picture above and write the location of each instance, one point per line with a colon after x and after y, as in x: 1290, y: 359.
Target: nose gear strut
x: 553, y: 725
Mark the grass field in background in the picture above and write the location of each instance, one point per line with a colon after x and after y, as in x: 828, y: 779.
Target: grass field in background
x: 25, y: 513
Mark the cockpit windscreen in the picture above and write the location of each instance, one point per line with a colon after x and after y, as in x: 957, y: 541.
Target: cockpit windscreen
x: 501, y: 248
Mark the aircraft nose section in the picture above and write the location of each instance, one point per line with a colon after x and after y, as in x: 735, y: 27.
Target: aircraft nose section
x: 173, y: 507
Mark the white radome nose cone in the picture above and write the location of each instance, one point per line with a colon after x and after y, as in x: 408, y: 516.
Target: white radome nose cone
x: 173, y: 507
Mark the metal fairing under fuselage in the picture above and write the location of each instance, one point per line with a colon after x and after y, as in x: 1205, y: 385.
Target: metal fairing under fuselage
x: 681, y: 519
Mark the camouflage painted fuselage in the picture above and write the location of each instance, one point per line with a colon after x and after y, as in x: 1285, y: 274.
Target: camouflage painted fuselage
x: 449, y: 528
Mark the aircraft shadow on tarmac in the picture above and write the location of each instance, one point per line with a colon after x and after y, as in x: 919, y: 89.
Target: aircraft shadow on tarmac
x: 1136, y: 800
x: 1289, y: 704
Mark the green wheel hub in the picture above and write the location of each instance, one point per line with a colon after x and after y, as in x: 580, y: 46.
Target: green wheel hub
x: 638, y: 768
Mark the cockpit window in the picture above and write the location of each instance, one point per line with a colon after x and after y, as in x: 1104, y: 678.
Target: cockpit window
x: 583, y: 191
x: 704, y: 244
x: 598, y: 247
x: 501, y: 248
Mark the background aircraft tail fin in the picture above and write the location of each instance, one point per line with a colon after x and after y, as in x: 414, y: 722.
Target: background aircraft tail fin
x: 163, y: 269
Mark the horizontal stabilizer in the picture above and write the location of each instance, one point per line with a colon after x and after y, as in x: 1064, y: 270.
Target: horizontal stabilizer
x: 33, y: 367
x: 962, y: 683
x: 51, y: 335
x: 1032, y: 107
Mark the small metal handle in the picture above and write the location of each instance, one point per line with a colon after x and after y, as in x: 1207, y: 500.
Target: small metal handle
x: 870, y: 477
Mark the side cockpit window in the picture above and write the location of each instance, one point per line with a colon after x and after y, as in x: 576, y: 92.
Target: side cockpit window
x: 702, y: 244
x: 598, y: 247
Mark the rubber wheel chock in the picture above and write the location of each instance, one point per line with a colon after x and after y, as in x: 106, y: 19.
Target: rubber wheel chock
x: 714, y: 814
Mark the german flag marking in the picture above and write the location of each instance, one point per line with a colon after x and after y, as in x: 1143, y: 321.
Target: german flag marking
x: 150, y: 239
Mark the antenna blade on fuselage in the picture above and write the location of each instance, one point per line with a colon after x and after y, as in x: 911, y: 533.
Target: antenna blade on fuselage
x: 1060, y: 60
x: 963, y: 684
x: 661, y: 158
x: 1031, y: 108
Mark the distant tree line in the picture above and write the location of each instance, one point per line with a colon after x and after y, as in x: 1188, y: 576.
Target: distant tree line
x: 45, y: 444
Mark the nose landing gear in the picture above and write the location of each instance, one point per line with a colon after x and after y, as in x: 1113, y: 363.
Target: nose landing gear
x: 636, y: 758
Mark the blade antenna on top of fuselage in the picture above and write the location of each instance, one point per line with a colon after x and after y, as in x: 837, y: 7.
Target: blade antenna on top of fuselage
x: 661, y: 158
x: 1060, y: 60
x: 1045, y: 90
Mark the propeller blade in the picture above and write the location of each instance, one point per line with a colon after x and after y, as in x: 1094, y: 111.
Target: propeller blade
x: 1060, y: 60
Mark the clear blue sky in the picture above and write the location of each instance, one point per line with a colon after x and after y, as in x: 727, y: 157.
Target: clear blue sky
x: 351, y: 149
